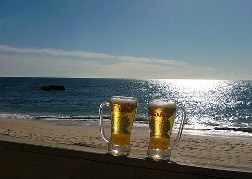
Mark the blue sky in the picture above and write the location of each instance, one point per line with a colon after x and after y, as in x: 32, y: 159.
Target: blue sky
x: 199, y: 39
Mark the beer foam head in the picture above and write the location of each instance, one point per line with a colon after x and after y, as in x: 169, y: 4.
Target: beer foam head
x: 123, y: 100
x: 162, y: 103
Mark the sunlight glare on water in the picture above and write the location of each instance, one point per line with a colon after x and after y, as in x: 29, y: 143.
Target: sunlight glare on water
x: 207, y: 102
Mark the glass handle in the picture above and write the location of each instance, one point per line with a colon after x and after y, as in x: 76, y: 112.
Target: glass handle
x: 101, y: 121
x: 182, y: 123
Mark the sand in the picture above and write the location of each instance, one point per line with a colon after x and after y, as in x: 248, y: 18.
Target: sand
x: 233, y: 153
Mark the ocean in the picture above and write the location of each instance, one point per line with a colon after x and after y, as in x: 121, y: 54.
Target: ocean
x: 220, y: 107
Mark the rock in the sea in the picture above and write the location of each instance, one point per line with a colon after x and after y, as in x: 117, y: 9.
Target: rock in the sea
x: 52, y: 88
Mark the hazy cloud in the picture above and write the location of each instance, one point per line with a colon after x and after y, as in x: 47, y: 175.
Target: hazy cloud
x: 59, y: 63
x: 88, y: 55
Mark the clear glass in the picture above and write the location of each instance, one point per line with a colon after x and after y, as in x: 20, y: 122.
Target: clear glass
x: 161, y: 116
x: 122, y: 114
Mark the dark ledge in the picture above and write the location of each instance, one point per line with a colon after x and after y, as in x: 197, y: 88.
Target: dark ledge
x: 34, y: 161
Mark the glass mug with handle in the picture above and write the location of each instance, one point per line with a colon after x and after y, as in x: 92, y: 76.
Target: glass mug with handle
x: 122, y: 114
x: 161, y: 116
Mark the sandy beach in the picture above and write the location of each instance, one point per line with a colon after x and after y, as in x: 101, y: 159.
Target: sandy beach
x: 233, y: 153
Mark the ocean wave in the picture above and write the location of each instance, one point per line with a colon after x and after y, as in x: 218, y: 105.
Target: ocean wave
x: 52, y: 117
x: 191, y: 128
x: 16, y: 116
x: 140, y: 119
x: 62, y: 117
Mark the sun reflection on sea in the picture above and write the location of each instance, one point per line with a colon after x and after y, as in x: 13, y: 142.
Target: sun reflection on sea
x: 206, y: 101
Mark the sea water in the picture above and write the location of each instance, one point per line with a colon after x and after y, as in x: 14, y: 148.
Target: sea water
x: 221, y: 107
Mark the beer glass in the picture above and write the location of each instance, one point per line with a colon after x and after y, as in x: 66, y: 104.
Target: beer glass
x: 122, y: 114
x: 161, y: 116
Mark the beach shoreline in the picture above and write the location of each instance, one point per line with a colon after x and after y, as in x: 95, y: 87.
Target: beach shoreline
x: 233, y: 153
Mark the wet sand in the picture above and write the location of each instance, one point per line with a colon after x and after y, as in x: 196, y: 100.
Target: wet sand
x: 233, y: 153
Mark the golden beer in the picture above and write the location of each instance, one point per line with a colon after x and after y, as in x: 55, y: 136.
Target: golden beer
x: 161, y: 117
x: 122, y: 113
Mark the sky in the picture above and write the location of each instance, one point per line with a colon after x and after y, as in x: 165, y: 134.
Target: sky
x: 140, y: 39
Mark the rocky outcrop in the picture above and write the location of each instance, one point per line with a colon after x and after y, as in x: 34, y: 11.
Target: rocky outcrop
x: 52, y: 88
x: 242, y: 129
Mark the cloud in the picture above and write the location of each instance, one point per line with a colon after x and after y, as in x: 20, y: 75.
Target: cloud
x: 53, y: 52
x: 59, y: 63
x: 88, y: 55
